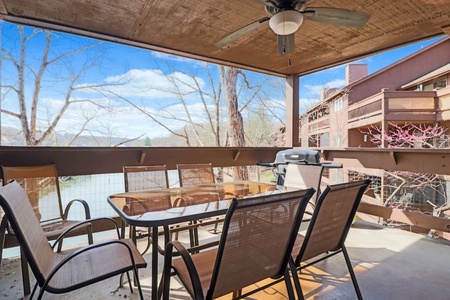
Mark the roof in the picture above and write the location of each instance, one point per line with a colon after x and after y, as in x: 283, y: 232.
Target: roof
x: 192, y: 28
x: 393, y: 65
x: 432, y: 75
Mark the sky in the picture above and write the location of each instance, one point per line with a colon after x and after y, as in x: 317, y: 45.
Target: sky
x: 113, y: 75
x: 310, y: 85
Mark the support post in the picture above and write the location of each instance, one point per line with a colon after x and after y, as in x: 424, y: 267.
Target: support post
x: 292, y: 136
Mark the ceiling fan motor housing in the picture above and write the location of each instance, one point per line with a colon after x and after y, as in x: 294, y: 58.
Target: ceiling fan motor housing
x: 286, y: 22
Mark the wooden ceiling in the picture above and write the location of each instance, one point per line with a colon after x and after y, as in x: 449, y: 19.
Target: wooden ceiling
x: 191, y: 28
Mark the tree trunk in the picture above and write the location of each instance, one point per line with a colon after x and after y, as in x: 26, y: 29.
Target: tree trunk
x: 236, y: 124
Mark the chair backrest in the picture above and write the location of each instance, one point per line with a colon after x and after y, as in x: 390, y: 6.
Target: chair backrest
x: 139, y: 178
x: 304, y: 176
x: 31, y: 237
x: 332, y: 218
x: 257, y: 239
x: 195, y: 174
x: 41, y: 184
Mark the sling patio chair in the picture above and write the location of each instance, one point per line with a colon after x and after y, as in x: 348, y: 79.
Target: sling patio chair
x: 61, y: 273
x: 255, y: 244
x: 195, y: 174
x: 200, y: 174
x: 328, y: 229
x: 42, y: 186
x: 140, y: 178
x: 304, y: 176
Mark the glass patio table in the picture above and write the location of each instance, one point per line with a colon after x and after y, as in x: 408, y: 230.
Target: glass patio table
x: 164, y: 207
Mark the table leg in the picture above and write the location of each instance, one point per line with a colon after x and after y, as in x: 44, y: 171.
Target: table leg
x: 155, y: 262
x: 25, y: 274
x: 123, y: 225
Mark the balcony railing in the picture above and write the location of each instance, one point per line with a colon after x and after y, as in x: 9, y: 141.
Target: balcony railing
x: 394, y: 106
x: 97, y: 163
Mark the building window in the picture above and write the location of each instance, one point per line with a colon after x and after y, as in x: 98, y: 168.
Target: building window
x: 338, y: 104
x: 440, y: 83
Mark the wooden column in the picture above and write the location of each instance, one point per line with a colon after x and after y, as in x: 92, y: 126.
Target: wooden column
x: 384, y: 123
x: 292, y: 111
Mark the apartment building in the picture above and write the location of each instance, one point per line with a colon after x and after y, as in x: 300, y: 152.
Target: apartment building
x: 413, y: 90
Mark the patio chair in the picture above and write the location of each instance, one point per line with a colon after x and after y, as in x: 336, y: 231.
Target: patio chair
x: 305, y: 176
x: 198, y: 174
x: 195, y: 174
x: 61, y: 273
x: 328, y: 229
x: 256, y: 242
x: 138, y: 178
x: 42, y: 186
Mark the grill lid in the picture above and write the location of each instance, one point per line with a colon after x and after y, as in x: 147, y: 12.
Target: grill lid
x: 297, y: 155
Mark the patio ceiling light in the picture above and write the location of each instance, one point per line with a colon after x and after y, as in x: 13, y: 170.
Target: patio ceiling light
x: 286, y: 22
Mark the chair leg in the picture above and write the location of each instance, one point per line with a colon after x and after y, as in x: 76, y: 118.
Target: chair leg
x: 352, y: 273
x: 289, y: 288
x: 25, y: 273
x: 236, y: 294
x: 138, y: 283
x: 41, y: 293
x: 34, y: 291
x: 122, y: 229
x: 296, y: 279
x: 129, y: 281
x: 60, y: 245
x: 90, y: 234
x: 3, y: 226
x: 121, y: 280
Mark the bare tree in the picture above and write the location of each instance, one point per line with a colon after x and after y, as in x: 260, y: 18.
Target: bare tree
x: 35, y: 75
x: 198, y: 110
x: 207, y: 103
x: 236, y: 124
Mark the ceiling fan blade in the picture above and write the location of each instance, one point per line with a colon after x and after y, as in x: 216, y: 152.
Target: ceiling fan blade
x: 286, y: 43
x: 240, y: 32
x: 336, y: 16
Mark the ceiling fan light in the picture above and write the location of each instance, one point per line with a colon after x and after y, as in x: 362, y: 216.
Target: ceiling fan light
x: 286, y: 22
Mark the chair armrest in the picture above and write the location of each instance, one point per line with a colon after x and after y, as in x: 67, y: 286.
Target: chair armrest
x: 198, y: 248
x: 183, y: 201
x: 193, y: 274
x: 87, y: 211
x: 81, y: 223
x: 84, y: 249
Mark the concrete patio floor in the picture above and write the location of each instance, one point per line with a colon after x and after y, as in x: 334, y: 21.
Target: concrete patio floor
x: 389, y: 264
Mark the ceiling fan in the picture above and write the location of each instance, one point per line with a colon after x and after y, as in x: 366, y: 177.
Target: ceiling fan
x: 288, y: 15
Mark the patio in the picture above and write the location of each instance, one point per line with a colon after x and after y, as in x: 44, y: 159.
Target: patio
x: 389, y: 264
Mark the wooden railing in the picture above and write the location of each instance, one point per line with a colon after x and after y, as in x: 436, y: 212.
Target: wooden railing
x: 86, y: 161
x: 434, y: 161
x: 102, y: 160
x: 395, y: 106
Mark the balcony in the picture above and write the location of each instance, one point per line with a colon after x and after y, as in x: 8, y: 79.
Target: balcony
x: 395, y: 106
x: 389, y: 263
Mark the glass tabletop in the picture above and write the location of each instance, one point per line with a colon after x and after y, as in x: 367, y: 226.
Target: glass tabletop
x: 169, y: 206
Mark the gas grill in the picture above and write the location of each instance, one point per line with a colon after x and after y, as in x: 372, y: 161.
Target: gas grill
x: 292, y: 156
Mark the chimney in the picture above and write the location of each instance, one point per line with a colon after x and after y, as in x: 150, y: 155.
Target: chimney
x: 355, y: 72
